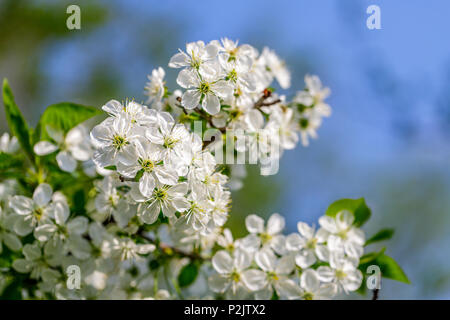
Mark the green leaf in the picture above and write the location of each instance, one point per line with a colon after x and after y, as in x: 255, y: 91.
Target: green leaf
x: 356, y: 206
x: 63, y: 116
x: 16, y: 121
x: 388, y: 266
x: 12, y: 290
x: 188, y: 274
x: 363, y: 288
x: 390, y: 269
x: 384, y: 234
x: 370, y: 257
x: 9, y: 161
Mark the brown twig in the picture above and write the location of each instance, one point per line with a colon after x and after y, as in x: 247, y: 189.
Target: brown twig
x: 262, y: 101
x: 375, y: 294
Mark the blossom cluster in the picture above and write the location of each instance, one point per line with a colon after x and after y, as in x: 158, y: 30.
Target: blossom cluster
x: 158, y: 198
x: 310, y: 264
x: 229, y: 85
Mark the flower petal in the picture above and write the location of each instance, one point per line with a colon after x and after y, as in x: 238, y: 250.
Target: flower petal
x: 254, y: 224
x: 42, y: 194
x: 43, y: 148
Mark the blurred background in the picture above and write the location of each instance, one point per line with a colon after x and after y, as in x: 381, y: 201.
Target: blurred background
x: 388, y: 139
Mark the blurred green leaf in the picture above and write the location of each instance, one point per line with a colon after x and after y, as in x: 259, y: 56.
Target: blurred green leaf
x: 188, y: 274
x: 388, y: 266
x: 356, y: 206
x: 16, y: 121
x: 390, y: 269
x: 64, y: 116
x: 9, y: 161
x: 369, y: 257
x: 384, y: 234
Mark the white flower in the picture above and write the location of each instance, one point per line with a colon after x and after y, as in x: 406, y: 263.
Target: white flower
x: 155, y: 88
x: 283, y: 122
x: 258, y: 137
x: 230, y: 51
x: 150, y: 163
x: 32, y: 211
x: 169, y: 135
x: 8, y: 145
x: 308, y: 125
x: 126, y: 249
x: 226, y: 241
x: 260, y: 235
x: 34, y: 264
x: 114, y: 140
x: 277, y: 271
x: 136, y: 112
x: 68, y: 231
x: 219, y: 205
x: 205, y: 181
x: 233, y: 272
x: 197, y: 214
x: 110, y: 202
x: 97, y: 280
x: 74, y: 146
x: 237, y: 73
x: 198, y: 57
x: 318, y: 94
x: 168, y: 199
x: 344, y: 237
x: 312, y: 289
x: 207, y: 91
x: 191, y: 156
x: 343, y: 272
x: 276, y: 67
x: 6, y: 236
x: 310, y: 243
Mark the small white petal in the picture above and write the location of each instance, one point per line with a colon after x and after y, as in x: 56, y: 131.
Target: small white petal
x: 254, y: 224
x: 254, y: 279
x: 42, y: 194
x: 211, y: 104
x: 43, y: 148
x: 190, y: 99
x: 222, y: 262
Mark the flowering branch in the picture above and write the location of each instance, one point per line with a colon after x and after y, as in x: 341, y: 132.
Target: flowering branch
x: 261, y: 101
x: 143, y: 168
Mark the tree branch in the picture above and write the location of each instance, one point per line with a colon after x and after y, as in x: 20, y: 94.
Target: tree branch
x: 262, y: 101
x: 375, y: 294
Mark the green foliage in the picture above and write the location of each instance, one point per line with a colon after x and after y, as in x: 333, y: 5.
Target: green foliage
x: 384, y: 234
x: 9, y: 161
x: 356, y: 206
x: 16, y: 121
x: 188, y: 274
x: 11, y: 166
x: 388, y: 266
x: 64, y: 116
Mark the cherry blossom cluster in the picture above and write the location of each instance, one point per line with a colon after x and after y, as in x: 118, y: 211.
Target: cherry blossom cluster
x: 159, y: 196
x: 164, y: 168
x: 229, y: 86
x: 310, y: 264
